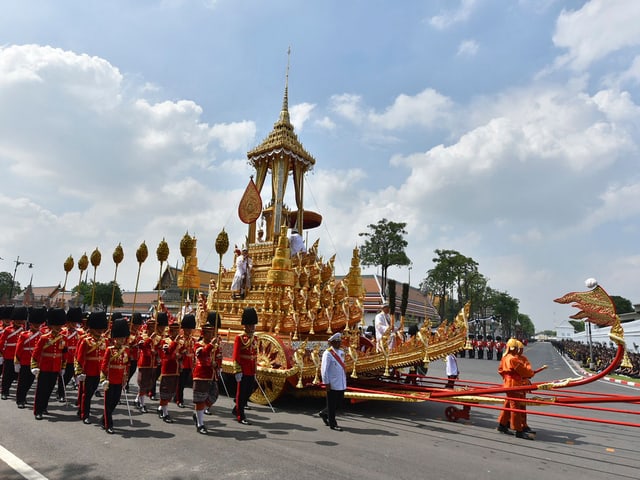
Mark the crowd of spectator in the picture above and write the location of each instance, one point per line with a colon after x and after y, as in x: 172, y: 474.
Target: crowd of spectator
x: 603, y: 355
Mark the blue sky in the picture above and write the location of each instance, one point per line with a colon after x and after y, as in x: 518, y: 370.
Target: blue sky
x: 506, y: 130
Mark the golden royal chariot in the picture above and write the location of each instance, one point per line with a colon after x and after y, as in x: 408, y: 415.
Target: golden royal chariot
x: 298, y: 300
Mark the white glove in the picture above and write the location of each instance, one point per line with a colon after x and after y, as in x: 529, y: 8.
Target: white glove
x: 1, y: 360
x: 105, y: 385
x: 81, y: 378
x: 35, y: 371
x: 238, y: 377
x: 16, y: 367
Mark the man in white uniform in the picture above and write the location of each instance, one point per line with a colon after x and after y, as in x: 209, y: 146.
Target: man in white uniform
x: 241, y: 283
x: 334, y: 377
x: 296, y: 243
x: 382, y: 323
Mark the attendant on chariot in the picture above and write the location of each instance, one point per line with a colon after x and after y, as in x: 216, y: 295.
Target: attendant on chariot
x: 241, y: 283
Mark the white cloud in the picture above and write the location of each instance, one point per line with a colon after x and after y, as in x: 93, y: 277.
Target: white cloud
x: 300, y: 113
x: 468, y: 48
x: 326, y: 123
x: 446, y: 19
x: 596, y: 30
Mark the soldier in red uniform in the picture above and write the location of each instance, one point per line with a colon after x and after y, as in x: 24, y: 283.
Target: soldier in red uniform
x: 90, y: 351
x: 245, y: 351
x: 188, y: 323
x: 206, y: 370
x: 113, y: 371
x: 48, y: 360
x: 147, y: 356
x: 170, y: 349
x: 481, y: 344
x: 135, y: 336
x: 8, y: 343
x: 24, y: 350
x: 72, y: 334
x: 500, y: 346
x: 491, y: 345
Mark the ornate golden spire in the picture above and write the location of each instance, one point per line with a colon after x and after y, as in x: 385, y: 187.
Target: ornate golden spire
x: 284, y: 113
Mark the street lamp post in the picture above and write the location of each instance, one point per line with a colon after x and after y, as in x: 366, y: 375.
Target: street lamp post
x: 15, y: 270
x: 410, y: 267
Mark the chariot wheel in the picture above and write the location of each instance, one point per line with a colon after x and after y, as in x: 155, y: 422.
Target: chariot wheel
x: 451, y: 413
x: 272, y: 355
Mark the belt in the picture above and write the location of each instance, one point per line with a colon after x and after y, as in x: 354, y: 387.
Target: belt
x: 92, y: 358
x: 117, y: 367
x: 10, y: 344
x: 52, y: 355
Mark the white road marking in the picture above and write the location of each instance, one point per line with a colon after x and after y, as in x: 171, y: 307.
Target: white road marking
x: 19, y: 466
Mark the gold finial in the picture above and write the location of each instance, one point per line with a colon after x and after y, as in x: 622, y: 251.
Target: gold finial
x: 284, y: 114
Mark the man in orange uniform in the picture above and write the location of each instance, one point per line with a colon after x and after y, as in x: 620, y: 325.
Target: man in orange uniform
x: 48, y: 360
x: 87, y: 366
x: 8, y: 343
x: 245, y: 352
x: 208, y: 362
x: 513, y: 370
x: 113, y: 371
x: 24, y: 350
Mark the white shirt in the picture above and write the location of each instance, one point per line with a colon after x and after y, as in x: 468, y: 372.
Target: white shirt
x: 452, y: 365
x: 297, y: 244
x: 332, y: 372
x: 382, y: 323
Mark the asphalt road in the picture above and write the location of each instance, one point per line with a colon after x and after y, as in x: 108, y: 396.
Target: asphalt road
x: 381, y: 440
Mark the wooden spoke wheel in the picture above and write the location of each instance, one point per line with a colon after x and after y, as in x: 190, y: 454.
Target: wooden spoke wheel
x: 453, y: 413
x: 272, y: 355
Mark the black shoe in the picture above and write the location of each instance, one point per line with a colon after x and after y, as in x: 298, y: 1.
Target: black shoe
x: 38, y: 416
x: 167, y: 419
x: 524, y: 435
x: 98, y: 393
x: 180, y: 405
x: 159, y: 411
x: 325, y: 418
x: 110, y: 431
x: 247, y: 407
x: 86, y: 421
x: 4, y: 397
x: 503, y: 429
x: 529, y: 431
x: 21, y: 405
x: 62, y: 399
x: 244, y: 421
x: 207, y: 412
x: 336, y: 428
x: 143, y: 409
x: 202, y: 429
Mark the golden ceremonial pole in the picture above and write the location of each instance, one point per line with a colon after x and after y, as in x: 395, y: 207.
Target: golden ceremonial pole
x: 162, y: 252
x: 95, y: 258
x: 83, y: 263
x: 68, y: 266
x: 141, y: 255
x: 118, y: 256
x: 222, y: 245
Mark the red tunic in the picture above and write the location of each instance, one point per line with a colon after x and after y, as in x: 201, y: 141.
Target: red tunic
x: 9, y: 341
x: 73, y: 338
x: 115, y: 365
x: 186, y: 351
x: 89, y: 355
x: 49, y: 354
x: 245, y: 353
x: 169, y: 357
x: 26, y: 344
x: 208, y: 361
x: 147, y: 350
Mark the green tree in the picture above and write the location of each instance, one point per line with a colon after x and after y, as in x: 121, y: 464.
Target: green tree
x: 578, y: 325
x: 102, y: 298
x: 622, y: 304
x: 454, y: 280
x: 6, y: 280
x: 505, y: 308
x: 384, y: 246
